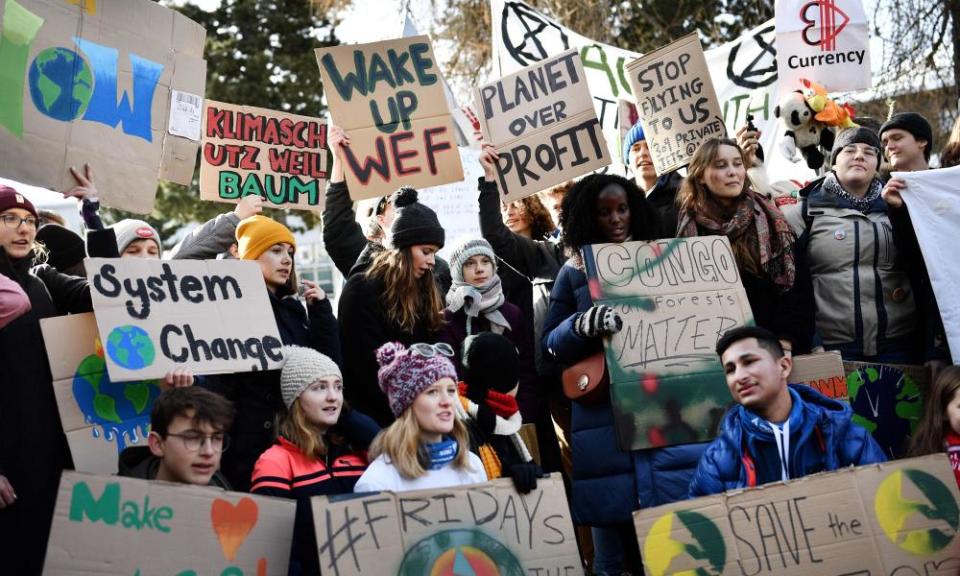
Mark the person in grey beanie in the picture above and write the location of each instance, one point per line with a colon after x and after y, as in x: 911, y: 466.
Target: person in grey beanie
x: 395, y: 299
x: 320, y: 446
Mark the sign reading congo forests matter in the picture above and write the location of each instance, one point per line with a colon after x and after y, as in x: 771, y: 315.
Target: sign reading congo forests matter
x: 209, y: 316
x: 91, y: 82
x: 388, y: 97
x: 898, y: 519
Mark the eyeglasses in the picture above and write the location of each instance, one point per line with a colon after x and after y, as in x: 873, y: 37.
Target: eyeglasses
x: 431, y: 350
x: 193, y: 442
x: 867, y: 151
x: 14, y: 221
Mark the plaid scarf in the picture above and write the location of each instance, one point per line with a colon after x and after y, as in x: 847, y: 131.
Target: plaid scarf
x: 754, y: 214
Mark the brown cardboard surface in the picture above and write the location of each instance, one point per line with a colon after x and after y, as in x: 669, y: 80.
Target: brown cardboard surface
x: 157, y: 306
x: 542, y: 122
x: 284, y: 160
x: 99, y: 417
x: 108, y: 525
x: 676, y: 101
x: 823, y: 371
x: 393, y: 109
x: 676, y: 298
x: 895, y: 518
x: 421, y: 531
x: 115, y: 128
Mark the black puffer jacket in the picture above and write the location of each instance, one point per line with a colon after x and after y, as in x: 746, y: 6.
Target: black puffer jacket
x: 256, y: 395
x: 33, y: 448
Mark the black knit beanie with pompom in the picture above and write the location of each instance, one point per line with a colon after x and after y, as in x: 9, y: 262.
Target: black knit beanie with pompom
x: 414, y: 223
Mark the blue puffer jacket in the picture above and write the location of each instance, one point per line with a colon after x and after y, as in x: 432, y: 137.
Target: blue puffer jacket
x: 822, y: 438
x: 608, y: 485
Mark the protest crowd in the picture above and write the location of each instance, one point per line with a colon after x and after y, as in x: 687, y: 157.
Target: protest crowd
x: 508, y: 357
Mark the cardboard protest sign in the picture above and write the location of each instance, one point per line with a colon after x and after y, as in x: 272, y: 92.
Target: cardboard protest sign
x: 826, y: 41
x: 100, y: 417
x: 676, y: 298
x: 277, y: 155
x: 209, y: 316
x: 388, y: 97
x: 676, y: 102
x: 743, y: 71
x: 896, y: 518
x: 542, y: 122
x: 112, y: 525
x: 887, y: 400
x: 932, y: 197
x: 823, y: 371
x: 91, y: 82
x: 479, y: 529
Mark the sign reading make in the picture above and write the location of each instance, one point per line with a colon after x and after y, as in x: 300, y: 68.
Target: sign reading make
x: 209, y: 316
x: 676, y: 298
x: 388, y: 97
x: 254, y: 151
x: 825, y: 41
x: 542, y: 122
x: 109, y: 525
x: 676, y: 101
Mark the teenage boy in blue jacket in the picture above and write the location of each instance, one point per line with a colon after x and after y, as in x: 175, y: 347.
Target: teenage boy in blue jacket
x: 777, y: 431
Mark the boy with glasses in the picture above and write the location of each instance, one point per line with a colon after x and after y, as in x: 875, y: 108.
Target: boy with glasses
x: 188, y: 434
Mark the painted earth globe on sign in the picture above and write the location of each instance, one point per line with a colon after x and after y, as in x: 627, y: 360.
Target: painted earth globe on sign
x: 61, y: 83
x: 130, y: 347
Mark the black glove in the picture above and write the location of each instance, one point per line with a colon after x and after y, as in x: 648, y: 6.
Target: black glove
x: 597, y: 321
x: 525, y: 476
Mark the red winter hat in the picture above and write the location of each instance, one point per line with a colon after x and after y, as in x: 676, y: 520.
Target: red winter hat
x: 10, y: 198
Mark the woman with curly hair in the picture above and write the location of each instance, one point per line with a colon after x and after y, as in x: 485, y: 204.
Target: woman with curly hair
x: 608, y: 485
x: 395, y: 300
x: 716, y: 200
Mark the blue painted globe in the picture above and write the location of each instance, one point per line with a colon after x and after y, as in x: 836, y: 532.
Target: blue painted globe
x: 61, y: 83
x: 130, y: 347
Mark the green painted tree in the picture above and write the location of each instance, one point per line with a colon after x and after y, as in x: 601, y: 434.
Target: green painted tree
x: 259, y: 53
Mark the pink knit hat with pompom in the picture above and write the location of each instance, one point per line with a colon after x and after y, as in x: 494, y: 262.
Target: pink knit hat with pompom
x: 404, y: 374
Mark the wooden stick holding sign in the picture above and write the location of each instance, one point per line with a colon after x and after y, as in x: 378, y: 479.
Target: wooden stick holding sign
x: 542, y: 122
x: 676, y: 102
x: 388, y: 97
x: 254, y: 151
x: 209, y: 316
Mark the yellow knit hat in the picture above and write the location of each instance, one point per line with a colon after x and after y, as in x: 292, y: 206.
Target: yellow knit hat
x: 258, y: 233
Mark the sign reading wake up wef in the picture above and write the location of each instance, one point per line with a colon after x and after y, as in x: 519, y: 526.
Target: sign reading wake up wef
x: 90, y: 82
x: 900, y: 518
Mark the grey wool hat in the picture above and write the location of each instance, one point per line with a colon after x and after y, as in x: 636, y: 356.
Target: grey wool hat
x: 465, y: 249
x: 130, y: 229
x: 301, y: 368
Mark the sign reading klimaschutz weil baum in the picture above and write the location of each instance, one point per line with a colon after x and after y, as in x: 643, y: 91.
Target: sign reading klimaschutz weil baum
x: 825, y: 41
x: 676, y: 101
x: 388, y: 97
x: 108, y: 525
x: 542, y: 122
x: 900, y: 518
x: 209, y: 316
x: 676, y: 298
x: 253, y: 151
x: 480, y: 529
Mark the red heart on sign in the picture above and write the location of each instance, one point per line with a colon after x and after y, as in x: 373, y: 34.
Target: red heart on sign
x: 233, y: 523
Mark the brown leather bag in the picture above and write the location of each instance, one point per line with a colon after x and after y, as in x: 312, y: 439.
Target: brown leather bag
x: 587, y: 381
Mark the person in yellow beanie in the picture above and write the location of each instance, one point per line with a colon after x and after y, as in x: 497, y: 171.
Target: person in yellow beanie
x: 257, y: 395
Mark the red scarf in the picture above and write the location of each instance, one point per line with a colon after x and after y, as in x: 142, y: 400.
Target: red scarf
x: 951, y: 443
x: 503, y: 405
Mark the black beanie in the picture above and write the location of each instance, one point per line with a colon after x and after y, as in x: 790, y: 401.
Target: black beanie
x: 414, y: 223
x: 858, y: 135
x: 65, y: 247
x: 491, y: 362
x: 913, y: 123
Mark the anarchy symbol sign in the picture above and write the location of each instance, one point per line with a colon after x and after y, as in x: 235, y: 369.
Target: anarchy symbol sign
x: 754, y: 67
x: 528, y: 36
